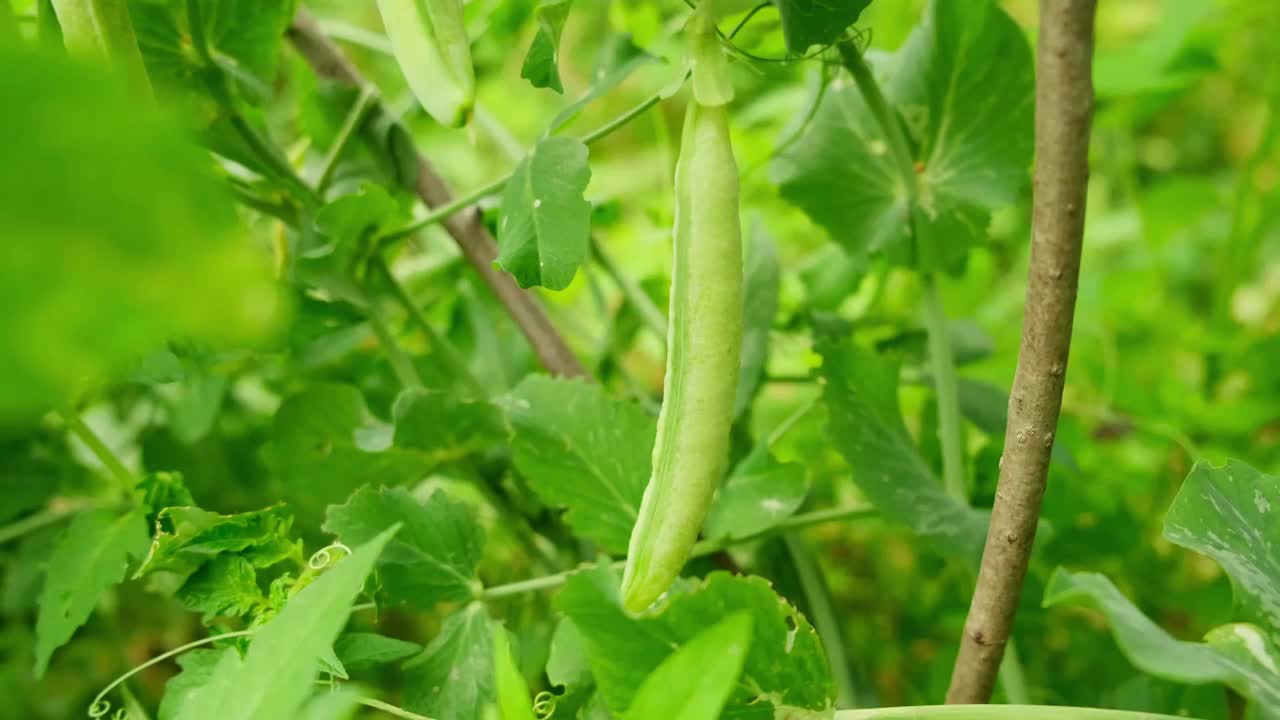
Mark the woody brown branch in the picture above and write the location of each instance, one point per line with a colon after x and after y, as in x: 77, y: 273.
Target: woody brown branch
x: 475, y: 241
x: 1064, y: 114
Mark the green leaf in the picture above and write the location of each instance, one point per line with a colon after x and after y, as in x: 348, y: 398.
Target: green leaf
x: 278, y: 673
x: 160, y: 490
x: 861, y: 394
x: 226, y: 585
x: 197, y: 669
x: 453, y: 678
x: 91, y: 556
x: 99, y: 31
x: 327, y: 444
x: 1149, y: 65
x: 159, y: 250
x: 362, y: 650
x: 541, y: 66
x: 340, y: 704
x: 695, y: 682
x: 188, y: 537
x: 1238, y: 655
x: 760, y: 493
x: 545, y: 230
x: 243, y: 38
x: 1232, y: 514
x: 816, y: 22
x: 444, y: 426
x: 761, y: 283
x: 581, y: 449
x: 963, y: 85
x: 433, y: 559
x: 785, y: 673
x: 509, y: 684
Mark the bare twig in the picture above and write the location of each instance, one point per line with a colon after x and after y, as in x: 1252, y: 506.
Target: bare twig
x: 477, y: 245
x: 1064, y: 113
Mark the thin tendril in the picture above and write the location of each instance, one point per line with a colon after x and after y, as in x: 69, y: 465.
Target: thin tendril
x: 323, y: 557
x: 743, y: 22
x: 101, y: 706
x: 544, y: 705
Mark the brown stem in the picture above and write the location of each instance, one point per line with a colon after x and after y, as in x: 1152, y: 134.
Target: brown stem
x: 477, y: 245
x: 1064, y: 113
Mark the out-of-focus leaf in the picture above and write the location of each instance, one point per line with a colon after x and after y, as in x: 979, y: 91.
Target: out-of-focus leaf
x: 816, y: 22
x: 581, y: 449
x: 453, y: 678
x: 327, y: 443
x: 618, y: 59
x: 861, y: 394
x: 760, y: 493
x: 541, y: 65
x: 545, y: 230
x: 761, y: 283
x: 197, y: 668
x: 509, y: 685
x: 90, y: 557
x: 138, y: 242
x: 434, y: 556
x: 444, y: 426
x: 785, y: 672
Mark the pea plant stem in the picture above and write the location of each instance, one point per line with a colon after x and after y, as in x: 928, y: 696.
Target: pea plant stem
x: 996, y: 712
x: 48, y: 516
x: 823, y: 615
x: 1064, y: 114
x: 950, y: 430
x: 390, y: 709
x: 100, y: 450
x: 472, y: 238
x: 400, y: 361
x: 355, y: 117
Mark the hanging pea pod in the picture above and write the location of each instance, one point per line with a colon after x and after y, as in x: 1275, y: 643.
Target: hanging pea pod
x: 430, y: 44
x: 704, y: 343
x: 101, y: 30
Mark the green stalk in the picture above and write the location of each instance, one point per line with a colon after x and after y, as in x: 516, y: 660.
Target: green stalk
x: 367, y: 100
x: 390, y: 709
x: 823, y: 616
x: 50, y: 515
x: 950, y: 430
x: 105, y: 455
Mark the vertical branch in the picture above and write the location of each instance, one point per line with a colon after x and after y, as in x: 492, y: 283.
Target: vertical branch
x: 1064, y: 113
x: 473, y: 239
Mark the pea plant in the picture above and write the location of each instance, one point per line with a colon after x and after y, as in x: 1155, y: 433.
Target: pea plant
x: 296, y: 430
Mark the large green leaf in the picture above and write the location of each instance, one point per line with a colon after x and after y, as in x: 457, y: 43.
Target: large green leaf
x: 189, y: 537
x: 278, y: 672
x: 581, y: 449
x: 453, y: 678
x: 963, y: 86
x: 545, y: 229
x: 509, y: 685
x: 785, y: 672
x: 1232, y: 514
x: 861, y: 394
x: 117, y: 235
x: 327, y: 444
x: 91, y: 556
x: 695, y: 682
x: 816, y: 22
x: 1239, y: 655
x: 431, y: 560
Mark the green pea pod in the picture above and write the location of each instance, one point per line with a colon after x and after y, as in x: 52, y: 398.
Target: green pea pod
x: 704, y: 342
x: 102, y: 30
x: 430, y: 43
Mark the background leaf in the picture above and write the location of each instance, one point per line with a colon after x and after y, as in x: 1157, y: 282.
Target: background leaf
x: 581, y: 449
x: 695, y: 682
x: 545, y: 229
x: 541, y: 64
x: 453, y: 678
x: 816, y: 22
